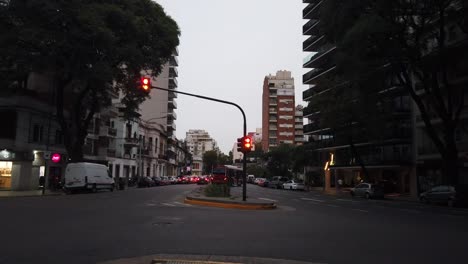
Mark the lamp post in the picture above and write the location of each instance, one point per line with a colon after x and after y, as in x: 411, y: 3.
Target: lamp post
x: 244, y: 162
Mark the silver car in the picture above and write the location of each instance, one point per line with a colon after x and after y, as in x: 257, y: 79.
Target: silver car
x: 368, y: 191
x: 294, y: 185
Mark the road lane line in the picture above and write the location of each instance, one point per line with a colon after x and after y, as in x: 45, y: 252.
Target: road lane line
x: 314, y: 200
x: 360, y: 210
x: 266, y: 199
x: 183, y: 204
x: 345, y: 200
x: 168, y: 204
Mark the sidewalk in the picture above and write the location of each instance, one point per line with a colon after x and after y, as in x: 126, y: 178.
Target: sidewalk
x: 4, y: 194
x: 345, y: 192
x: 197, y: 197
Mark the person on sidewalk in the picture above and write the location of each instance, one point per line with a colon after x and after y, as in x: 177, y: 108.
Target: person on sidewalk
x: 340, y: 185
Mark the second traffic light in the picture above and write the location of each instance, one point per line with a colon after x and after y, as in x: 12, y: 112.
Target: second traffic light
x: 247, y: 144
x: 244, y: 144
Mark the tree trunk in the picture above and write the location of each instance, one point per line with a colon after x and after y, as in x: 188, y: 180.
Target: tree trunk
x: 450, y: 163
x: 359, y: 161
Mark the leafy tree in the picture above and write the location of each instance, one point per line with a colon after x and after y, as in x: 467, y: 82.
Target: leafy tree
x: 89, y: 50
x: 224, y: 159
x: 280, y: 160
x: 409, y: 39
x: 210, y: 160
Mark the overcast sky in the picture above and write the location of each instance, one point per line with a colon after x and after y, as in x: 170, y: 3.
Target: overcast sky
x: 227, y: 47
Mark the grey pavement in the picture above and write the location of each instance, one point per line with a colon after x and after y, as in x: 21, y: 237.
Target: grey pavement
x: 307, y: 226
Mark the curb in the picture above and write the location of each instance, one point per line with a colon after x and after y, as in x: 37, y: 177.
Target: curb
x: 30, y: 195
x: 229, y: 205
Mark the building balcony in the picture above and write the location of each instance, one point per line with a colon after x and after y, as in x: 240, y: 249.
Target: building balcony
x: 173, y: 72
x: 172, y: 104
x: 307, y: 94
x: 173, y: 61
x: 171, y: 126
x: 172, y: 95
x: 162, y: 157
x: 311, y: 28
x: 172, y: 115
x: 173, y: 82
x: 311, y: 128
x: 273, y: 128
x: 308, y: 111
x: 131, y: 142
x: 171, y: 148
x: 322, y: 56
x: 273, y: 102
x: 313, y: 43
x: 273, y: 95
x: 309, y: 77
x: 107, y: 132
x: 272, y: 111
x: 312, y: 11
x: 273, y: 120
x: 299, y: 126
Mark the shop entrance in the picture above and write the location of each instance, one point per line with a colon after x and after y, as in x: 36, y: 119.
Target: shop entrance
x: 5, y: 174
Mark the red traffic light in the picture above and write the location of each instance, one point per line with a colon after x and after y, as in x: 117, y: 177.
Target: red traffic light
x: 56, y: 157
x: 145, y: 83
x: 247, y: 144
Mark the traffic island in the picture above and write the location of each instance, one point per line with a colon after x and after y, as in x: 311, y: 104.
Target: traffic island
x: 198, y: 197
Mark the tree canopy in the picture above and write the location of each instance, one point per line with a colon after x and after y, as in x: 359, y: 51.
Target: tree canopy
x: 89, y: 49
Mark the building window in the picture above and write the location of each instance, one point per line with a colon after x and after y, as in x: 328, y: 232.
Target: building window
x: 38, y: 131
x: 58, y: 137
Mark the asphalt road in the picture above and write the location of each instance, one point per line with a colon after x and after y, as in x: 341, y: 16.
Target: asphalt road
x: 91, y: 228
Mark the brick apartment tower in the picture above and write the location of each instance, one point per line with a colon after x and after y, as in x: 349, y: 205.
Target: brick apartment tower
x: 278, y: 110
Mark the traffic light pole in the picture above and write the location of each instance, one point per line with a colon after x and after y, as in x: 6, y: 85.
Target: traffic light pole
x: 244, y: 162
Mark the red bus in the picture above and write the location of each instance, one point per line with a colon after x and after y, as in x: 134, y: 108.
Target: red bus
x: 227, y: 174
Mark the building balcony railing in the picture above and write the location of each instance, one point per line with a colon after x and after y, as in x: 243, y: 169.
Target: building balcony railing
x: 273, y: 120
x: 310, y: 128
x: 172, y: 115
x: 172, y: 104
x: 307, y: 94
x: 311, y: 28
x: 311, y: 11
x: 299, y: 127
x: 313, y: 43
x: 171, y: 126
x: 273, y: 102
x: 131, y: 142
x: 173, y: 72
x: 173, y: 61
x: 173, y: 82
x: 322, y: 55
x: 172, y: 95
x: 272, y: 111
x: 273, y: 128
x: 309, y: 77
x: 308, y: 111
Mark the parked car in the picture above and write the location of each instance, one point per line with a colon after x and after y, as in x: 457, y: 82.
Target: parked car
x: 203, y: 180
x: 165, y: 180
x: 88, y: 176
x: 173, y: 179
x: 157, y: 180
x: 367, y: 190
x: 182, y: 179
x: 294, y: 185
x: 277, y: 182
x: 263, y: 182
x: 146, y: 182
x: 445, y: 194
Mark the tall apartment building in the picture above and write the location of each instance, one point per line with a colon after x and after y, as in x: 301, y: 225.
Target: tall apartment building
x: 198, y: 142
x: 388, y: 158
x: 299, y: 125
x: 278, y: 110
x: 159, y: 110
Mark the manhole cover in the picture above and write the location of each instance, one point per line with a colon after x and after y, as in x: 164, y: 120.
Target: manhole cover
x: 182, y: 261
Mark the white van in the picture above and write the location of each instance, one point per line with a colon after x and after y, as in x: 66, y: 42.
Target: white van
x: 85, y: 175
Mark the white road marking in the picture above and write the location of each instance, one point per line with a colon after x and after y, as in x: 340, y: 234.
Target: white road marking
x: 266, y: 199
x: 360, y: 210
x: 345, y: 200
x: 183, y: 204
x: 168, y: 204
x: 314, y: 200
x: 150, y: 204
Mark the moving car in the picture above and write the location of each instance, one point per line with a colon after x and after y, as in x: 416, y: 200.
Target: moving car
x: 263, y: 182
x: 277, y: 182
x: 88, y: 176
x: 294, y: 185
x: 250, y: 178
x: 203, y: 180
x: 445, y: 194
x: 368, y: 191
x: 173, y: 179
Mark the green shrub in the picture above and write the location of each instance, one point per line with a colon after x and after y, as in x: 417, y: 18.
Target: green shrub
x: 217, y: 190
